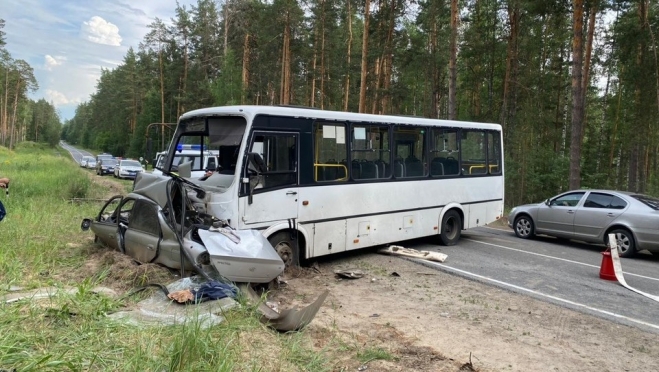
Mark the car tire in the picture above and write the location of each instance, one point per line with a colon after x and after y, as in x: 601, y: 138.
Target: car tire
x: 524, y: 227
x: 451, y: 228
x: 287, y: 247
x: 625, y: 241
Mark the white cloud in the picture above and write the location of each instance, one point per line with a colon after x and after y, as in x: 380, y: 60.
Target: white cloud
x: 58, y: 98
x: 50, y: 61
x: 100, y: 31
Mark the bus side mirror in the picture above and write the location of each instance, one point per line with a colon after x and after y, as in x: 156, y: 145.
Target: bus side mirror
x: 257, y: 161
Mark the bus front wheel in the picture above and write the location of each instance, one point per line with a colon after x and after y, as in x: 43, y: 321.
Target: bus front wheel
x: 287, y: 247
x: 451, y: 228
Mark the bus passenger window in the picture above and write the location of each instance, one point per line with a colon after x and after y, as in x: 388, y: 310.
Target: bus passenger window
x: 410, y: 153
x: 494, y: 152
x: 369, y: 151
x: 444, y: 152
x: 473, y: 146
x: 330, y: 152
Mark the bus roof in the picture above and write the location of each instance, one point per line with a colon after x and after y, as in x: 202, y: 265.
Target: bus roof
x: 252, y: 111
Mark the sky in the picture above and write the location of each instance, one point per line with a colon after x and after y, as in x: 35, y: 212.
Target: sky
x: 67, y: 42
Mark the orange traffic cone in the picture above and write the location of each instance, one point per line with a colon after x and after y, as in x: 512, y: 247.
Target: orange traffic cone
x: 606, y: 269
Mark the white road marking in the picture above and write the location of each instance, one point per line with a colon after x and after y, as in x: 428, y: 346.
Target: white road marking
x: 555, y: 258
x: 605, y: 312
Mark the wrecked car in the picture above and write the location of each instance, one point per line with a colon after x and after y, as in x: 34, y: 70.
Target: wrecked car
x: 174, y: 234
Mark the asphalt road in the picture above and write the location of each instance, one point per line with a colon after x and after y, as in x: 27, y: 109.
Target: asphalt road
x: 75, y: 153
x: 565, y: 273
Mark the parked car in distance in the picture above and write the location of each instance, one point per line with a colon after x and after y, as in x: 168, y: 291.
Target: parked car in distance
x: 590, y: 216
x: 128, y: 169
x: 85, y: 160
x: 105, y: 166
x: 91, y: 163
x: 102, y: 156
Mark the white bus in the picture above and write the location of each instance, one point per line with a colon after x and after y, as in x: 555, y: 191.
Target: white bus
x: 320, y: 182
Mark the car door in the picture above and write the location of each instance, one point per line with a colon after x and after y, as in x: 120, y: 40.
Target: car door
x: 142, y: 235
x: 598, y: 211
x: 105, y: 225
x: 557, y: 217
x: 274, y: 191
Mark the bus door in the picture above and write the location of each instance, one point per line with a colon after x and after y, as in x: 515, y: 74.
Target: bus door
x: 273, y: 184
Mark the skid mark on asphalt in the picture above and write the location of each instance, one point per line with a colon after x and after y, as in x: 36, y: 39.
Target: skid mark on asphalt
x: 555, y: 258
x: 540, y: 294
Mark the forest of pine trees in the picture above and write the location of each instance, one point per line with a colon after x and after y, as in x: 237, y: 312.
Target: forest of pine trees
x: 23, y: 119
x: 573, y: 82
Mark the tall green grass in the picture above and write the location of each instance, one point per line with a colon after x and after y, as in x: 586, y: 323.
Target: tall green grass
x: 41, y: 245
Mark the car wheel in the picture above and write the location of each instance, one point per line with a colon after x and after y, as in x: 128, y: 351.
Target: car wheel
x: 286, y: 247
x: 451, y: 228
x: 524, y: 227
x: 625, y: 242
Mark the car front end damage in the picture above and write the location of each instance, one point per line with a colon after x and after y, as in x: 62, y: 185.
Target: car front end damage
x: 186, y: 238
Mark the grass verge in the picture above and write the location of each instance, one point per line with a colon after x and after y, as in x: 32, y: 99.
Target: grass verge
x: 43, y: 246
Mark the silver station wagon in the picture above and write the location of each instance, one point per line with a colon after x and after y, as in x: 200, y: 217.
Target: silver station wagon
x: 590, y: 216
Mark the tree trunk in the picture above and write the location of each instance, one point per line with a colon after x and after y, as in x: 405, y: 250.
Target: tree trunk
x: 286, y: 64
x: 226, y: 27
x: 362, y: 87
x: 5, y: 116
x: 586, y: 63
x: 388, y: 62
x: 577, y: 96
x: 346, y: 95
x: 313, y: 72
x: 511, y: 66
x: 185, y: 74
x: 245, y: 75
x: 162, y: 97
x: 13, y: 116
x: 322, y: 56
x: 452, y: 65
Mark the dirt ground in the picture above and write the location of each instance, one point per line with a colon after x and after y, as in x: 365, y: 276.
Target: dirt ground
x: 433, y: 321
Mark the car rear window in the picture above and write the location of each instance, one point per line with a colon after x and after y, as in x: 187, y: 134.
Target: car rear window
x: 650, y: 201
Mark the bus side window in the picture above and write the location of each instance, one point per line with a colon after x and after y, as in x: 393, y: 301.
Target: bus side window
x: 279, y: 153
x: 473, y: 155
x: 370, y: 153
x: 494, y: 152
x: 410, y: 151
x: 444, y: 152
x: 329, y: 149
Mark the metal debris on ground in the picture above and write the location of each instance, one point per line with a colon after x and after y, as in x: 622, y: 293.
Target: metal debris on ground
x: 397, y: 250
x: 349, y: 273
x: 286, y: 320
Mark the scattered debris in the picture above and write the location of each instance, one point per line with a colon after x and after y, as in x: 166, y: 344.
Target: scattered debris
x: 422, y: 273
x: 397, y: 250
x: 349, y: 273
x: 394, y: 274
x: 287, y: 320
x: 182, y: 296
x: 158, y: 309
x: 48, y: 292
x: 374, y: 316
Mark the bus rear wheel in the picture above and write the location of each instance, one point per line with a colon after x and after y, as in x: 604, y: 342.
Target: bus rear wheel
x: 286, y: 247
x: 451, y: 228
